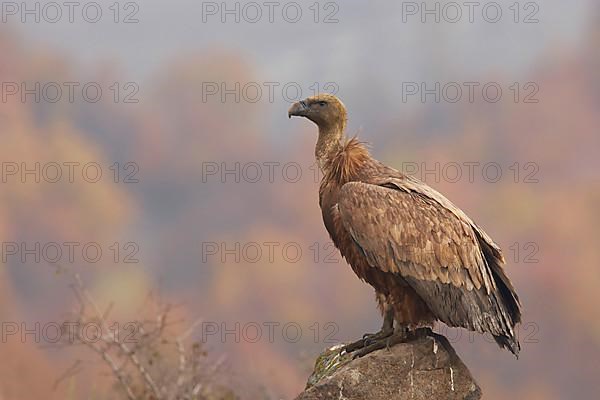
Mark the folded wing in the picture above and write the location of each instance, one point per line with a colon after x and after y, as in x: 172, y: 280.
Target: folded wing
x: 406, y: 228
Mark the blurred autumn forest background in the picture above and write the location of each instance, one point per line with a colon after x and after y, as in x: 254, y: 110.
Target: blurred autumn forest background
x: 174, y: 211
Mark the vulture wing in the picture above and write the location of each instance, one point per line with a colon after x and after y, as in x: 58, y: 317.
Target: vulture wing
x: 406, y: 228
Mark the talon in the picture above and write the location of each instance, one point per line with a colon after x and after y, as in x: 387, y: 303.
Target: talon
x: 351, y: 347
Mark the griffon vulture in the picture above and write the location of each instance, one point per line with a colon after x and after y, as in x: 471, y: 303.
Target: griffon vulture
x: 426, y: 259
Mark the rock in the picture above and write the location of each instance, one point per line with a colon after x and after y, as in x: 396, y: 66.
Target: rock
x: 423, y: 369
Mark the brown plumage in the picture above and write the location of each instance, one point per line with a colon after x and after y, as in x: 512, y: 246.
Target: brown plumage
x: 426, y: 259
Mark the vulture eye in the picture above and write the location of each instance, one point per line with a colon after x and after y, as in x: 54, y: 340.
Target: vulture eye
x: 322, y: 103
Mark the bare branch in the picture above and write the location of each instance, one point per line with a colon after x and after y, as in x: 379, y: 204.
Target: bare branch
x: 157, y: 365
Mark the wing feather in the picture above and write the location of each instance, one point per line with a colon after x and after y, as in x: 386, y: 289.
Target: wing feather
x: 414, y: 231
x: 407, y: 234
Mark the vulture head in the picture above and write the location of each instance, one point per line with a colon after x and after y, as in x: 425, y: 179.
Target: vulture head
x: 325, y: 110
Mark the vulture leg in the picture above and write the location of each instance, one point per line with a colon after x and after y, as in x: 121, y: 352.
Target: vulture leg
x: 371, y: 338
x: 387, y: 329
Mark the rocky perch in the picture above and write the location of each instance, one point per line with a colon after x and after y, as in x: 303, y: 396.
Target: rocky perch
x: 423, y: 369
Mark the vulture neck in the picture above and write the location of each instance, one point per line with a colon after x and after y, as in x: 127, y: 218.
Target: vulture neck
x: 329, y: 144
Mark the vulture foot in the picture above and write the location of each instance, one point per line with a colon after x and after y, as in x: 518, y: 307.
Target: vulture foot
x: 380, y: 343
x: 368, y: 339
x: 384, y: 339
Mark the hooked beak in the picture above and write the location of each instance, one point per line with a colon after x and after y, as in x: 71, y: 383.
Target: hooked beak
x: 298, y: 109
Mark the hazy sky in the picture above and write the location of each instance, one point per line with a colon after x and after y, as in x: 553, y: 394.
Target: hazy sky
x: 371, y: 34
x: 372, y: 48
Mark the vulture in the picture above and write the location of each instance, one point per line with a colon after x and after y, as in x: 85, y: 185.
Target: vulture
x: 425, y: 258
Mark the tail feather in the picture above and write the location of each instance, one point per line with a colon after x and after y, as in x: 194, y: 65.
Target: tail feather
x: 509, y: 343
x: 509, y: 300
